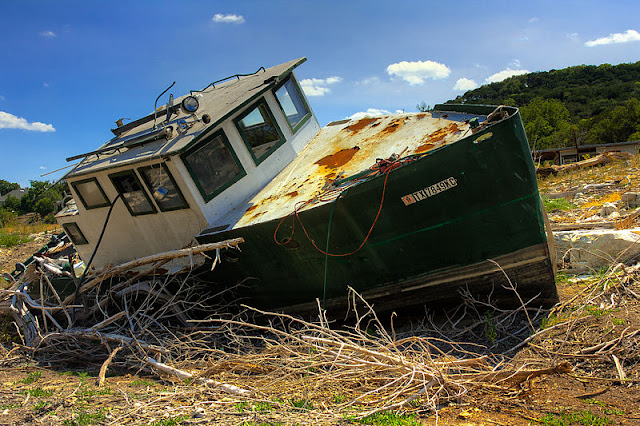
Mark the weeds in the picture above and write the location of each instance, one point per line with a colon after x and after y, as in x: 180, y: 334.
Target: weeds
x: 32, y: 377
x: 13, y: 239
x: 557, y: 204
x: 490, y: 328
x: 301, y: 403
x: 605, y: 407
x: 174, y: 421
x: 38, y: 392
x: 85, y: 418
x: 586, y: 418
x: 390, y: 419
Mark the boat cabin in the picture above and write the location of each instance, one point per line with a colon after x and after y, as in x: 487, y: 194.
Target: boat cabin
x: 168, y: 176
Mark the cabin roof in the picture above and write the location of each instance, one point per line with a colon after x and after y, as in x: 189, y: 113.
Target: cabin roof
x: 219, y: 101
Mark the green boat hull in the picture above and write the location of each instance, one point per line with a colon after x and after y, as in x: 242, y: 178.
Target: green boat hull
x: 467, y: 215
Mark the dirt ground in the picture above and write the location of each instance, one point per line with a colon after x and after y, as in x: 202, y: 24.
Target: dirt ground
x: 593, y: 331
x: 9, y: 256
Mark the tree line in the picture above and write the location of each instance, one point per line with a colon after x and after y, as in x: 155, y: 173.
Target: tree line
x: 42, y: 197
x: 580, y: 105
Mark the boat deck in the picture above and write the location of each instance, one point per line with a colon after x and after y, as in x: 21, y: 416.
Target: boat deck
x: 345, y: 149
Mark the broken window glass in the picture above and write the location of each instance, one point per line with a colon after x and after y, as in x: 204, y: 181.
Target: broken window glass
x: 135, y: 198
x: 259, y: 132
x: 162, y: 187
x: 213, y: 165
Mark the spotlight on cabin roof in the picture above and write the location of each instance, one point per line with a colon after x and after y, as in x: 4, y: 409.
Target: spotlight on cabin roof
x: 190, y: 104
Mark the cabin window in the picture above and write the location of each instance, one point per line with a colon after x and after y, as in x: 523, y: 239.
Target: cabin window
x: 259, y: 131
x: 75, y: 234
x: 292, y: 104
x: 213, y: 165
x: 134, y: 196
x: 162, y: 187
x: 90, y: 193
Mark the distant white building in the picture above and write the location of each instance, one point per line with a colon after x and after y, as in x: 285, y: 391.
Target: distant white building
x: 17, y: 193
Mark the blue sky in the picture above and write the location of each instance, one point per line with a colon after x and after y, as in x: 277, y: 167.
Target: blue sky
x: 69, y: 69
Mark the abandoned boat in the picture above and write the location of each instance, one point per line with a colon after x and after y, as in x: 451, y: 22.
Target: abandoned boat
x: 405, y: 209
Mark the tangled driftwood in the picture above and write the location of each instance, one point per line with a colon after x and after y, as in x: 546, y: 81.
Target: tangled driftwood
x: 153, y: 322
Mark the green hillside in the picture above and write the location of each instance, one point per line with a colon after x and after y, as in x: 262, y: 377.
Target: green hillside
x: 585, y: 104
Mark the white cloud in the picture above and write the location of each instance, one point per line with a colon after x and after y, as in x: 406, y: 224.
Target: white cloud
x: 415, y: 73
x: 369, y: 81
x: 464, y: 84
x: 372, y: 112
x: 533, y: 20
x: 515, y: 63
x: 45, y: 84
x: 318, y: 86
x: 48, y: 34
x: 629, y: 35
x: 10, y: 121
x: 504, y: 74
x: 43, y: 168
x: 2, y: 98
x: 573, y: 36
x: 228, y: 19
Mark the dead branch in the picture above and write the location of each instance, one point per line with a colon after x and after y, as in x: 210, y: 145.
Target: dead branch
x: 183, y: 375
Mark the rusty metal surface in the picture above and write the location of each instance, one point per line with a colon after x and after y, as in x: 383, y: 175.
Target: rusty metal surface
x: 345, y: 149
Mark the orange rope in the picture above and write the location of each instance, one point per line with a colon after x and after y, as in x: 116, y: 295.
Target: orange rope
x: 389, y: 167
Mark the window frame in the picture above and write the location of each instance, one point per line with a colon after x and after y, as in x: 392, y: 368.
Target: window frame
x: 185, y: 204
x: 303, y: 120
x: 142, y: 188
x: 79, y: 194
x: 75, y: 224
x: 243, y: 134
x: 227, y: 144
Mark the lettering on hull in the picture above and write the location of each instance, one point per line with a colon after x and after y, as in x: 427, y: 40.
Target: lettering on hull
x: 430, y: 191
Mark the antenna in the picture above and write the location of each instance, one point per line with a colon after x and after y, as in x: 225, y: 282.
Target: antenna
x: 155, y: 105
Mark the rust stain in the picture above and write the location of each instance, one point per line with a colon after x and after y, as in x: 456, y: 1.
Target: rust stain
x: 421, y: 116
x: 434, y: 139
x: 253, y: 207
x: 424, y: 148
x: 291, y: 194
x: 393, y: 126
x: 360, y: 124
x: 339, y: 158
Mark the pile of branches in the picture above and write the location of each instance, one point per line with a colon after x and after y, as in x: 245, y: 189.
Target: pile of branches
x: 598, y: 329
x: 154, y: 322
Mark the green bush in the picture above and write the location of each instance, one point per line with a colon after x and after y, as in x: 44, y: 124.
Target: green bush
x: 7, y: 217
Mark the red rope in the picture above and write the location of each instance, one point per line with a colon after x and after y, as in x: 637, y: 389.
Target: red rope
x: 384, y: 166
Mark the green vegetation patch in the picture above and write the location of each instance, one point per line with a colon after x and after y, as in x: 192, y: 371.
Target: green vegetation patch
x: 13, y: 239
x: 38, y: 392
x: 586, y: 418
x: 390, y: 419
x: 86, y: 418
x: 32, y: 377
x: 557, y: 204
